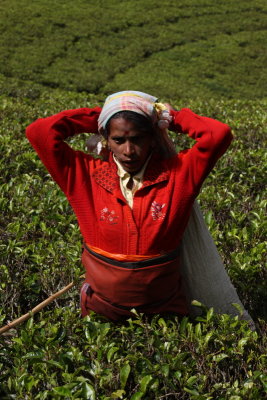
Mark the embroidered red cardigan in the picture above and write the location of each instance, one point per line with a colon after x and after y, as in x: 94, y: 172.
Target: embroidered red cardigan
x: 161, y: 208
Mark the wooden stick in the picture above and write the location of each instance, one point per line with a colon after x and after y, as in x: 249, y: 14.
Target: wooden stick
x: 38, y: 308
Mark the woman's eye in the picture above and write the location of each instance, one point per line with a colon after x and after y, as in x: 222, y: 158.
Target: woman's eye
x: 118, y: 141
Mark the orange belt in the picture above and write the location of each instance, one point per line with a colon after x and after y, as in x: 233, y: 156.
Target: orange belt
x: 120, y: 257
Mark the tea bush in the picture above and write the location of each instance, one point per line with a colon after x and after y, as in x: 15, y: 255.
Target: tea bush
x: 178, y: 49
x: 58, y: 355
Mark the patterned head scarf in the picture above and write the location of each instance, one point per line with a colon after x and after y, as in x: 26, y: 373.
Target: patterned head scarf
x: 128, y: 100
x: 141, y: 103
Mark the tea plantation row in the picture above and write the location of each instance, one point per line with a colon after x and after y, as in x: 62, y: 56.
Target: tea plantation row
x: 180, y: 49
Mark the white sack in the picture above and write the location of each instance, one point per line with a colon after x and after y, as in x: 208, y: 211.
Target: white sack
x: 204, y: 275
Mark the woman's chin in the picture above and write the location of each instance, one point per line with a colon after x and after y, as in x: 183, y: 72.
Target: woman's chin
x: 131, y: 167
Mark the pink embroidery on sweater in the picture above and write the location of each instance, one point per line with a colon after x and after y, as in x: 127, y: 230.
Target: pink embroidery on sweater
x: 156, y: 211
x: 109, y: 216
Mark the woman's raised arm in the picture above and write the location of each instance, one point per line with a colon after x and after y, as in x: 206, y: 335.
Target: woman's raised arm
x: 212, y: 140
x: 47, y: 136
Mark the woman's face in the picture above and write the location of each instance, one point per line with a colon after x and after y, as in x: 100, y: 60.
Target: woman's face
x: 130, y: 146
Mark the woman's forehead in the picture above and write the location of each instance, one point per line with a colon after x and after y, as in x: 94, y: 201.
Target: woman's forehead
x: 124, y: 127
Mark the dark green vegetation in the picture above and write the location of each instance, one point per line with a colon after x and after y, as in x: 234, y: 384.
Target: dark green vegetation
x: 186, y: 54
x: 176, y: 49
x: 61, y: 357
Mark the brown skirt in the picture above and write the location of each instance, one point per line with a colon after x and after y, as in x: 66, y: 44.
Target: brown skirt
x: 112, y: 288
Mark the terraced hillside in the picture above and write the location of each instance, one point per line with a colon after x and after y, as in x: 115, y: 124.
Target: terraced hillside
x: 175, y: 49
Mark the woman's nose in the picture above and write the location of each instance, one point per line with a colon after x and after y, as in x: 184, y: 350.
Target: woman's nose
x: 128, y: 148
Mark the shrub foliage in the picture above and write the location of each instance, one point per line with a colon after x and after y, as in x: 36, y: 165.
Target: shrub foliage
x: 60, y: 356
x: 177, y: 49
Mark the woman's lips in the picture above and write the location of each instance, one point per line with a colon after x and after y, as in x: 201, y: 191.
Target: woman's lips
x: 129, y: 162
x: 132, y: 165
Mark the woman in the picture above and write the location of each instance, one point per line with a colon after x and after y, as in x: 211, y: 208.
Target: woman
x: 133, y: 206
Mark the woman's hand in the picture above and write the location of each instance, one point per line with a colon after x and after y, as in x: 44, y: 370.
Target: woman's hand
x: 168, y: 106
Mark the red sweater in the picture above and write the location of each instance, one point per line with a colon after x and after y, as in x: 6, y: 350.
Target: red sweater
x: 162, y: 206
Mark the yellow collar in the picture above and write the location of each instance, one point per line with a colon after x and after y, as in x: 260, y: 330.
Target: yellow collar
x: 124, y: 174
x: 125, y: 177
